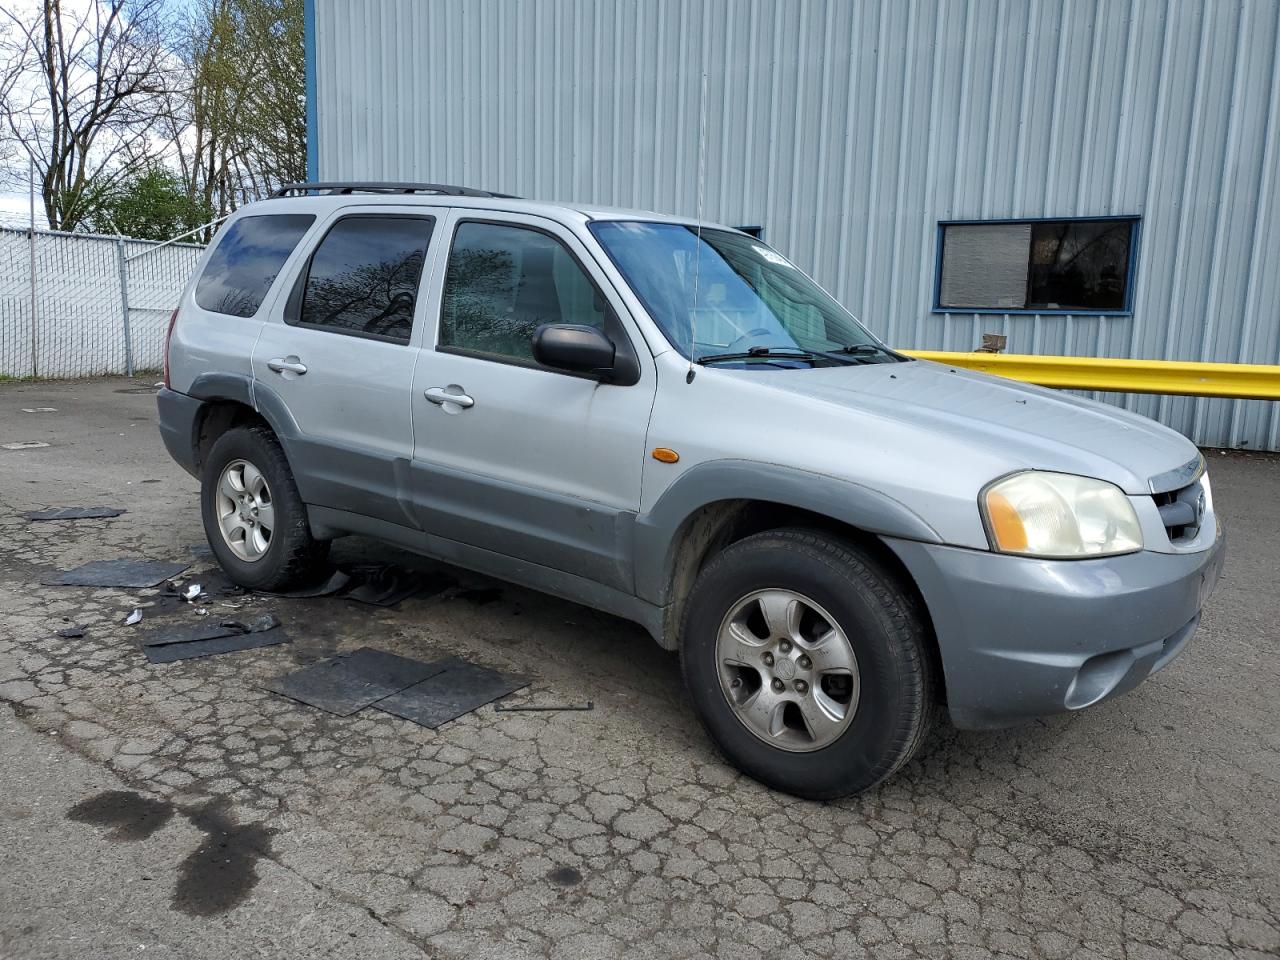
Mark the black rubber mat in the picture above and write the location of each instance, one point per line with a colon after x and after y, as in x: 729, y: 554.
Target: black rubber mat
x: 213, y: 641
x: 117, y: 573
x: 344, y: 684
x: 461, y: 688
x: 74, y: 513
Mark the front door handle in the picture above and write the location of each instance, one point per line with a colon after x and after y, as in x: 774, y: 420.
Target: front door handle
x: 290, y: 364
x: 443, y: 395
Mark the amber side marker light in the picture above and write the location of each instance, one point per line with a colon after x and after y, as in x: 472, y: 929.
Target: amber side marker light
x: 665, y: 455
x: 1006, y: 526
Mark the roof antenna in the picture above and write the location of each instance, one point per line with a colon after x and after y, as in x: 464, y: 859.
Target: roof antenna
x: 697, y: 253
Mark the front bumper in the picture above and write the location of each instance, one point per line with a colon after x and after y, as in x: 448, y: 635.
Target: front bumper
x: 1022, y: 638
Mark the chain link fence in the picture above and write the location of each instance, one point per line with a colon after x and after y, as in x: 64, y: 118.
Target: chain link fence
x: 81, y: 305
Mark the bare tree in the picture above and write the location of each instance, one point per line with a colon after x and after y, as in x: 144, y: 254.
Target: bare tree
x: 238, y: 121
x: 80, y: 91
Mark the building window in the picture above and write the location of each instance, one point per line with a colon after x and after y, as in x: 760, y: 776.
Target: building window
x: 1036, y: 266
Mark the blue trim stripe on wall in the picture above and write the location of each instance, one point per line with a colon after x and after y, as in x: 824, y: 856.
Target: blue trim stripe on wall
x: 309, y: 54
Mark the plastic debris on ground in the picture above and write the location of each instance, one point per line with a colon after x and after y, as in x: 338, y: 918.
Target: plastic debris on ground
x: 337, y: 581
x: 385, y: 586
x: 214, y: 587
x: 379, y: 585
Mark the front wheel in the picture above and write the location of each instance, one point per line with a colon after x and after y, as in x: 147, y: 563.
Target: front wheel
x: 808, y: 663
x: 254, y: 519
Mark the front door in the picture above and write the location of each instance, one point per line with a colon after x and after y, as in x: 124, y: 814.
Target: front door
x: 337, y: 355
x: 511, y: 456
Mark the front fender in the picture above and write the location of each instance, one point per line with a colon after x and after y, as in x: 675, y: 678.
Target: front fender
x: 656, y: 532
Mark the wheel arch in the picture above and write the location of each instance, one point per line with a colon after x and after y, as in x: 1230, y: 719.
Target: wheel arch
x: 719, y: 503
x: 233, y: 400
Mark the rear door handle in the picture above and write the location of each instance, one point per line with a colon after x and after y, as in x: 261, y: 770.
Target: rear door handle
x: 290, y: 364
x: 441, y: 396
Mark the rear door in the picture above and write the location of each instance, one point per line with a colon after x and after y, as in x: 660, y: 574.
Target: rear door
x: 529, y: 462
x: 338, y: 355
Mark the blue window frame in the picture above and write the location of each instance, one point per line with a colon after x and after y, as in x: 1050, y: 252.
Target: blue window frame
x: 1046, y: 265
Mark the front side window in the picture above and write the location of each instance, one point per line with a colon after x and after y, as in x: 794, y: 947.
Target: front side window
x: 364, y: 275
x: 246, y: 261
x: 720, y: 296
x: 503, y: 282
x: 1036, y: 266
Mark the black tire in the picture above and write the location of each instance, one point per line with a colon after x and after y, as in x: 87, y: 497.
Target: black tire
x: 293, y: 557
x: 885, y: 627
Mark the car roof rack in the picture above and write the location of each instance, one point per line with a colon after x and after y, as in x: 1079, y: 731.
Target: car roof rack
x: 345, y: 187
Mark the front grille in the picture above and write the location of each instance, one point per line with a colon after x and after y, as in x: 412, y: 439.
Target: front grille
x: 1182, y: 511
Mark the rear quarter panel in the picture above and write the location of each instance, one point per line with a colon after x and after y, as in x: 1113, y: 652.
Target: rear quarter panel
x: 205, y: 342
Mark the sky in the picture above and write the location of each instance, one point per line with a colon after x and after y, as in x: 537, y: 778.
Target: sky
x: 14, y: 213
x: 13, y: 197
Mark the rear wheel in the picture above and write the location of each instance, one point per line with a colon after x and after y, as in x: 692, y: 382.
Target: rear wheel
x: 254, y: 519
x: 808, y: 663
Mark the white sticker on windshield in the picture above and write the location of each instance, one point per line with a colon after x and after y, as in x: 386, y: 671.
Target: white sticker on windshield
x: 770, y: 255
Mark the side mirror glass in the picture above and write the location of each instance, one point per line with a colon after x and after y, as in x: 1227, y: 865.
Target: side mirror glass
x: 575, y: 347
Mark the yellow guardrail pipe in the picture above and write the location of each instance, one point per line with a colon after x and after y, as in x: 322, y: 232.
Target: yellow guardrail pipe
x: 1238, y: 380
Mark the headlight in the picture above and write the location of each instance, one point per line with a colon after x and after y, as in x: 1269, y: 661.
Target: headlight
x: 1044, y: 514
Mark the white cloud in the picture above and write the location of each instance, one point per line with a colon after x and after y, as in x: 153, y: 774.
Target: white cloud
x: 14, y: 211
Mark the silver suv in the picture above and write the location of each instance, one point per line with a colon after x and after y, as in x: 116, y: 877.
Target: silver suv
x: 668, y: 421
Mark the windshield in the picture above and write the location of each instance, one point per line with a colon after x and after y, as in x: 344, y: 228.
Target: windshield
x: 751, y: 306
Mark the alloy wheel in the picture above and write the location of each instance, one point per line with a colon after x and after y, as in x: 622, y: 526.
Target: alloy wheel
x: 787, y: 670
x: 245, y: 511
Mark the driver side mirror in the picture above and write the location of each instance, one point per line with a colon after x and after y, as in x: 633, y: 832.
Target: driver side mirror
x: 575, y: 347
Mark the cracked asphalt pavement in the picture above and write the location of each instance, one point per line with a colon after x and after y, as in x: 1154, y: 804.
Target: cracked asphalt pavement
x: 181, y: 810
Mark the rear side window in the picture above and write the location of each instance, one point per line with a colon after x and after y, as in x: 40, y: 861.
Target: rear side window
x: 246, y: 261
x: 503, y: 282
x: 364, y: 275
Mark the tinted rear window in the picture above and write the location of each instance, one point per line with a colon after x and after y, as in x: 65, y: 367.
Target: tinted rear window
x: 245, y: 262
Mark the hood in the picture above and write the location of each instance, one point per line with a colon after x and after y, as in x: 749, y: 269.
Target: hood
x: 1023, y: 426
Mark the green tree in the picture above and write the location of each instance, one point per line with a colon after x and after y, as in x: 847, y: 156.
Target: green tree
x: 153, y: 205
x: 238, y: 122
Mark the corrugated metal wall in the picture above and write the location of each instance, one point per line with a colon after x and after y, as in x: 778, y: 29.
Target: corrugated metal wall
x: 849, y: 129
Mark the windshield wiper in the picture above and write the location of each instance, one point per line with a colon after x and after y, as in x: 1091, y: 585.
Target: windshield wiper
x: 856, y: 348
x: 757, y: 353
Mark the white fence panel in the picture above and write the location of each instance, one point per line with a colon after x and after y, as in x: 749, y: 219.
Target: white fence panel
x: 79, y: 328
